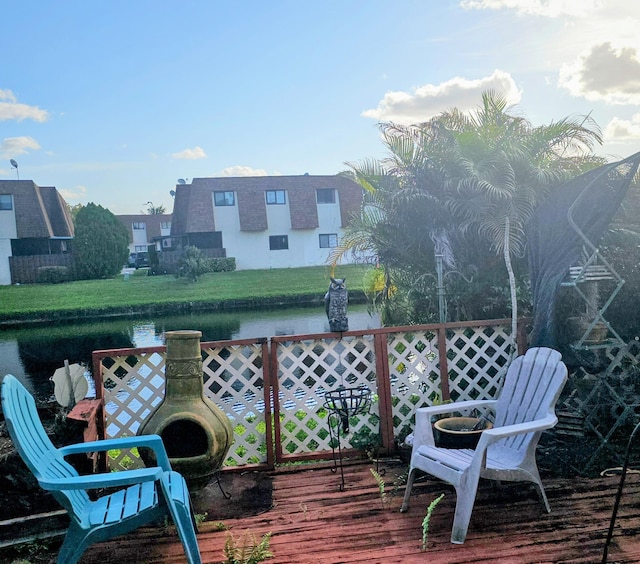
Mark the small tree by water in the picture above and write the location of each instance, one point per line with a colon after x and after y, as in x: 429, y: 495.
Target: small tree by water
x: 101, y: 243
x: 193, y: 264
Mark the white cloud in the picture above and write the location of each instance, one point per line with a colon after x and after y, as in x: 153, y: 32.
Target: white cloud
x: 11, y: 109
x: 620, y: 130
x: 190, y: 154
x: 239, y: 170
x: 74, y: 195
x: 13, y: 146
x: 604, y: 73
x: 429, y: 100
x: 546, y: 8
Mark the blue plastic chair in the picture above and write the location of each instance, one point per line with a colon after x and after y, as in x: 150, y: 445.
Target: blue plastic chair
x: 151, y: 493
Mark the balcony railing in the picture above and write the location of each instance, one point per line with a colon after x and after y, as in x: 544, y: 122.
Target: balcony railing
x: 253, y: 380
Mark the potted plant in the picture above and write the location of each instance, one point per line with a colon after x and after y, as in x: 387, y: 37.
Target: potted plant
x: 459, y: 432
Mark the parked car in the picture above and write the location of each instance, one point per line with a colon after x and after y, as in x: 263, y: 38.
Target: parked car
x: 139, y: 260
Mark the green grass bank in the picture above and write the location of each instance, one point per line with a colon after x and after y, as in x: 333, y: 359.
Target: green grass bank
x: 142, y: 294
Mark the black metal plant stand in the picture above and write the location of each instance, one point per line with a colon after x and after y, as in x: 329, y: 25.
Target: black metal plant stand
x: 342, y: 404
x: 616, y: 505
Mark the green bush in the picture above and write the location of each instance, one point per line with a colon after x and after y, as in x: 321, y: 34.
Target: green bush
x: 52, y: 275
x: 192, y: 264
x: 222, y: 264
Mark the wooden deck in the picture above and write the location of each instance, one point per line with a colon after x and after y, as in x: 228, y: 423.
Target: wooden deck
x: 312, y: 521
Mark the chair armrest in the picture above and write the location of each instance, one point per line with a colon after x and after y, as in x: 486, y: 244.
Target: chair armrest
x: 423, y: 434
x: 495, y: 434
x: 106, y: 480
x: 153, y: 442
x: 457, y: 406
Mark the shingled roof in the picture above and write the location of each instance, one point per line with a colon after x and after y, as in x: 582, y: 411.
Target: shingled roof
x: 193, y: 204
x: 153, y: 223
x: 40, y: 212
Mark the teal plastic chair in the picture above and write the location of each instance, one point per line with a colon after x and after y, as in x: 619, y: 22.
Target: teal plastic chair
x: 151, y: 493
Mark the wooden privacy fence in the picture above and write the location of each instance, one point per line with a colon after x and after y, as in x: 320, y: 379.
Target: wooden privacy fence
x: 253, y: 380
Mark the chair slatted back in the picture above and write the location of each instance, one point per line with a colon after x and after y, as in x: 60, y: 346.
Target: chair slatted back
x: 531, y: 389
x: 33, y: 444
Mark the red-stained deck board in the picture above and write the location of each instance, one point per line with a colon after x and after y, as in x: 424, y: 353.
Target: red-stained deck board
x: 313, y: 522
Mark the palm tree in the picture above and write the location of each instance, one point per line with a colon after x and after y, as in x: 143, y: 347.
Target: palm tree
x: 155, y: 210
x: 499, y: 168
x: 404, y: 221
x: 458, y: 175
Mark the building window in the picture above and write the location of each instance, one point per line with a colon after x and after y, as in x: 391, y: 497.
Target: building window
x: 278, y: 242
x: 326, y: 196
x: 139, y: 225
x: 165, y: 225
x: 224, y: 198
x: 328, y: 240
x: 276, y: 197
x: 6, y: 203
x: 140, y: 248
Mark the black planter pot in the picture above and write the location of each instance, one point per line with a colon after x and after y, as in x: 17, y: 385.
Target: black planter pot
x: 459, y: 432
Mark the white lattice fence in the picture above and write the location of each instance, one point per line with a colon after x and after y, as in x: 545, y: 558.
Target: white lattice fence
x: 134, y: 382
x: 309, y: 368
x: 133, y: 386
x: 233, y: 378
x: 414, y: 374
x: 478, y: 359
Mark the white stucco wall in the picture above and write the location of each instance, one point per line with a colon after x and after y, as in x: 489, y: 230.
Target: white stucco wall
x: 251, y: 248
x: 8, y: 231
x: 139, y: 238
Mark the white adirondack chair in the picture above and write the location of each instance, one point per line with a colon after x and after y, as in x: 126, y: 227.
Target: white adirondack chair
x: 507, y: 451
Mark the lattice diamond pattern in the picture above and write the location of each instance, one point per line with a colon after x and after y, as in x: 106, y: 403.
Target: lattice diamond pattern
x: 233, y: 378
x: 133, y: 387
x: 307, y: 369
x: 477, y: 361
x: 414, y: 372
x: 609, y: 403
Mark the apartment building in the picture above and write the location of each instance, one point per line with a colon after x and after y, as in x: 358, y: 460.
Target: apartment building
x: 35, y: 230
x: 147, y: 229
x: 266, y: 221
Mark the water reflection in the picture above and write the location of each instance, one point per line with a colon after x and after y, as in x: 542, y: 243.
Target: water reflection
x: 33, y: 354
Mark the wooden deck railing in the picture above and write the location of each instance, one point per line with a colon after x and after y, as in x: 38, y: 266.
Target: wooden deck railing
x: 273, y: 389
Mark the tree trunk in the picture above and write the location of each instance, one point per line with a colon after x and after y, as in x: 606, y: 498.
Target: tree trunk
x: 512, y: 288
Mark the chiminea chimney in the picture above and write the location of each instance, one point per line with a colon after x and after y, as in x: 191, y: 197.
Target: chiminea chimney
x: 196, y: 433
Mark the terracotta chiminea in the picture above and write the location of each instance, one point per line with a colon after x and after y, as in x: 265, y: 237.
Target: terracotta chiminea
x: 196, y: 432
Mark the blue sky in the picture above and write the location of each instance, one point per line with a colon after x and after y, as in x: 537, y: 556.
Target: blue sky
x: 113, y: 101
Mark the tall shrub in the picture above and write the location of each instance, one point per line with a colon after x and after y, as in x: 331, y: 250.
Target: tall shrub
x: 101, y: 243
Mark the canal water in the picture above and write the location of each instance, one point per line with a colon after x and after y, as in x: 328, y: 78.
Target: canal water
x: 33, y: 354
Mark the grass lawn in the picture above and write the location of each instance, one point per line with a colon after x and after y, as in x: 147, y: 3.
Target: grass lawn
x: 216, y: 289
